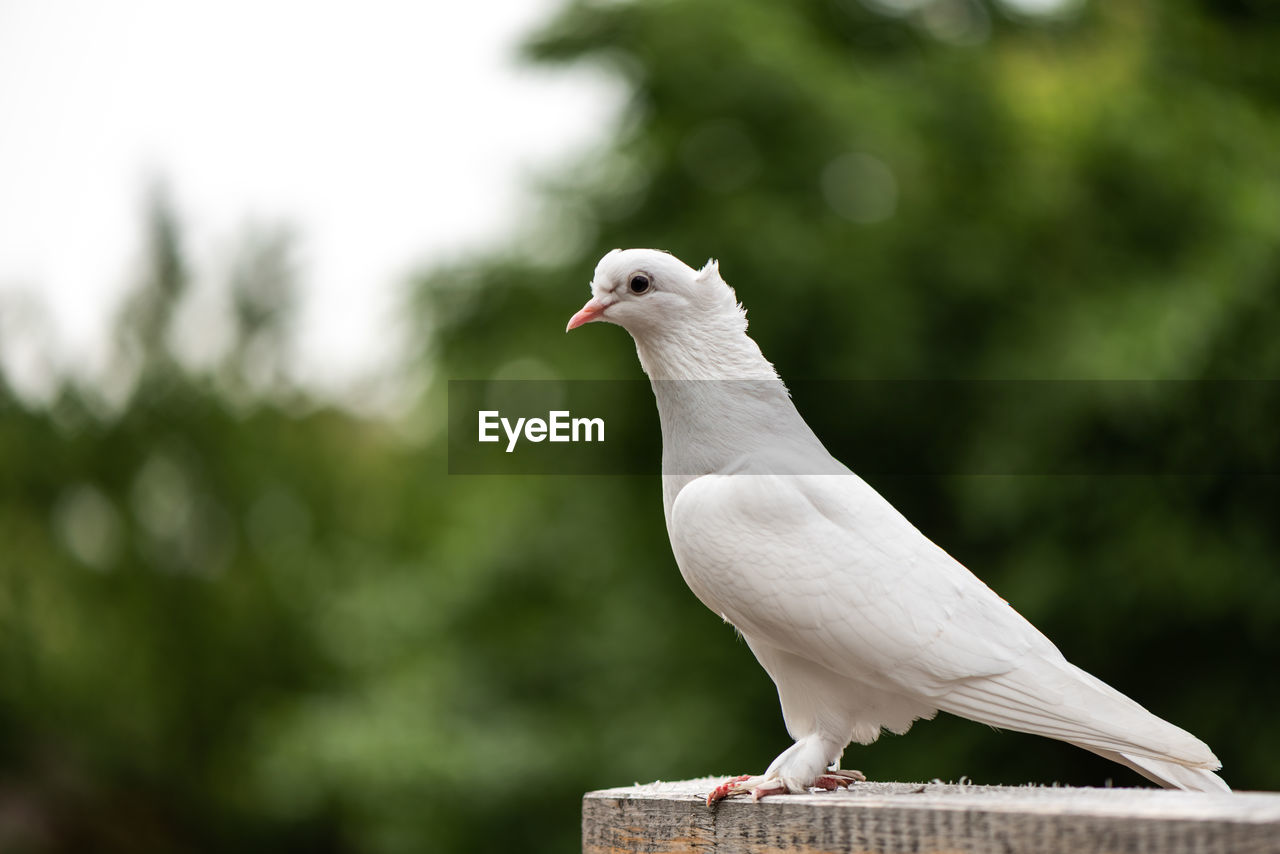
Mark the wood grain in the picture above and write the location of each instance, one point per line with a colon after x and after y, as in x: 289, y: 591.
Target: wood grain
x: 913, y: 817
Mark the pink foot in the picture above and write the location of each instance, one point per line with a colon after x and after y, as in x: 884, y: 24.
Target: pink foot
x: 775, y: 788
x: 833, y: 780
x: 756, y: 787
x: 763, y: 787
x: 725, y: 789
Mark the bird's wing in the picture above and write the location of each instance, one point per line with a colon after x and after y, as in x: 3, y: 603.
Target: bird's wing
x: 823, y: 567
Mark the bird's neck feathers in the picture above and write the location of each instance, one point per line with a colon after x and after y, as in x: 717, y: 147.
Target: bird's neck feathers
x: 721, y: 404
x: 710, y: 342
x: 692, y: 354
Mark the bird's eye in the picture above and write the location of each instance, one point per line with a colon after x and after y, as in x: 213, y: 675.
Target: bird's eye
x: 639, y: 283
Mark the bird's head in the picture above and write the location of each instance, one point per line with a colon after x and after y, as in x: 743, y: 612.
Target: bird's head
x: 647, y: 290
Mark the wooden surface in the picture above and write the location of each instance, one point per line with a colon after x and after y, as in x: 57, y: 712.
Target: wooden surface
x: 902, y: 817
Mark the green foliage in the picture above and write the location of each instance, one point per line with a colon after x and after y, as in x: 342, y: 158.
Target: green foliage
x: 234, y: 618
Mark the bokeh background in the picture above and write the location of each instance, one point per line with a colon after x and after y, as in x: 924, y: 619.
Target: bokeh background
x: 236, y: 614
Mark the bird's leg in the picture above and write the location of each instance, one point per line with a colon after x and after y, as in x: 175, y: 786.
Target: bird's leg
x: 800, y: 768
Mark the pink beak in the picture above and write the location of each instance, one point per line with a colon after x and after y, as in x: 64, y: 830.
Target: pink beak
x: 593, y: 310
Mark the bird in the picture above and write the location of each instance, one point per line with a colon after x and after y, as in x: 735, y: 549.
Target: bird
x: 861, y: 621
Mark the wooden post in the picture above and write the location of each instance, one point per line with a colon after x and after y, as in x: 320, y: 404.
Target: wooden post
x: 665, y: 818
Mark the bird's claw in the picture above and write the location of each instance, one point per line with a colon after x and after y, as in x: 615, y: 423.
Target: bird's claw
x: 757, y: 787
x: 727, y: 788
x: 838, y: 779
x: 761, y: 787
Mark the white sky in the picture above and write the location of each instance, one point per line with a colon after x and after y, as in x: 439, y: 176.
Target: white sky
x: 388, y: 133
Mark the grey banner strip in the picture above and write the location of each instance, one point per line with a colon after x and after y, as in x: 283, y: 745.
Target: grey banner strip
x: 893, y: 428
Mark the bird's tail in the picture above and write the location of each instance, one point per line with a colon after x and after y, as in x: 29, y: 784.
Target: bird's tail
x: 1171, y: 775
x: 1078, y: 708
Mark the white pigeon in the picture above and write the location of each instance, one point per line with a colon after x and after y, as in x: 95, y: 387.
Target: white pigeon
x: 862, y: 622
